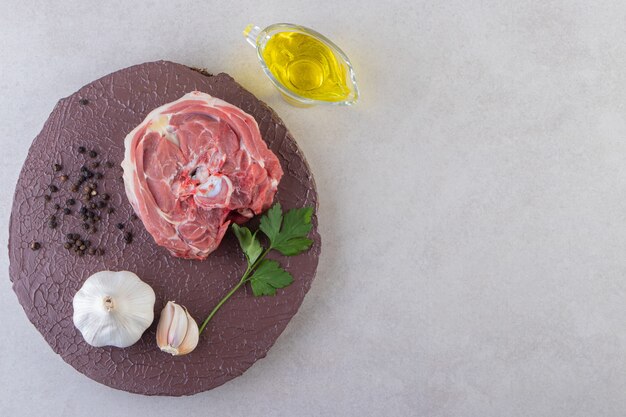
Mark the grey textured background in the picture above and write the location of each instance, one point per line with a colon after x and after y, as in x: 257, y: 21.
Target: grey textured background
x: 473, y: 204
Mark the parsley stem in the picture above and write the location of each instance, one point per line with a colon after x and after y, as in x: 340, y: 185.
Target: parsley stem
x: 243, y: 280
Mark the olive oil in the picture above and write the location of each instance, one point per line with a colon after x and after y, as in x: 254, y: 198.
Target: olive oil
x: 306, y: 66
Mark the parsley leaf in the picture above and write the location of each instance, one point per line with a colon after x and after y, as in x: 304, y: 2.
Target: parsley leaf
x: 271, y: 221
x: 288, y: 234
x: 248, y: 242
x: 269, y: 276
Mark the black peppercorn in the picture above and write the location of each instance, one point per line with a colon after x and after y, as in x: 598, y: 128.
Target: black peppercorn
x: 89, y: 174
x: 67, y: 211
x: 57, y: 167
x: 128, y: 237
x: 109, y: 164
x: 133, y: 216
x: 120, y: 226
x: 69, y: 235
x: 47, y: 197
x: 56, y: 206
x: 102, y: 204
x: 82, y: 149
x: 83, y: 210
x: 53, y: 188
x: 70, y: 202
x: 93, y: 154
x: 52, y: 223
x: 35, y: 245
x: 98, y: 175
x: 83, y: 101
x: 105, y: 196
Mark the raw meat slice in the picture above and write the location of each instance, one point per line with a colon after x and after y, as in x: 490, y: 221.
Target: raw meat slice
x: 192, y: 167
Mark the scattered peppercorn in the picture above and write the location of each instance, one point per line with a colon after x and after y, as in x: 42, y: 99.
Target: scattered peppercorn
x: 102, y: 204
x: 82, y: 149
x: 67, y: 211
x: 120, y: 226
x: 47, y: 197
x: 56, y: 206
x: 35, y: 245
x: 105, y: 196
x: 111, y: 210
x: 53, y: 188
x: 128, y: 237
x: 83, y: 210
x: 52, y: 222
x: 57, y: 167
x: 64, y: 178
x: 133, y: 216
x: 109, y: 164
x: 83, y: 101
x: 70, y: 202
x: 93, y: 154
x: 98, y: 175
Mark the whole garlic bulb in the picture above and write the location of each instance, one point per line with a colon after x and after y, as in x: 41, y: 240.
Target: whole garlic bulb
x: 177, y: 331
x: 113, y: 308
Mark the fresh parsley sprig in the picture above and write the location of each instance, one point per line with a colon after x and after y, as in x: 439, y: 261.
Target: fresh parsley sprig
x: 286, y: 234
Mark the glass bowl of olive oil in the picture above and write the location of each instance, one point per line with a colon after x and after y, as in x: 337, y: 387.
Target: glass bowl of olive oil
x: 305, y: 66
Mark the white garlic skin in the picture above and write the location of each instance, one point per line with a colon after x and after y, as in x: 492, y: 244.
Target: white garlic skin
x: 113, y: 308
x: 177, y: 331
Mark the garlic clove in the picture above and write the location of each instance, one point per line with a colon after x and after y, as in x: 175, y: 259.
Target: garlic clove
x: 191, y: 338
x: 177, y: 331
x: 163, y: 327
x: 178, y: 328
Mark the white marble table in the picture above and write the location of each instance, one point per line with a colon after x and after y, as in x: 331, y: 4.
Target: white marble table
x: 473, y: 204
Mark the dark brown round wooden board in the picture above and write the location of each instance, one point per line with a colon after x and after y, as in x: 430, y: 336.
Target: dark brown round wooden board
x: 99, y: 116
